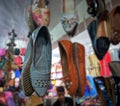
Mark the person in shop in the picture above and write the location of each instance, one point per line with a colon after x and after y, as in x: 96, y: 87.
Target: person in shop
x: 62, y: 100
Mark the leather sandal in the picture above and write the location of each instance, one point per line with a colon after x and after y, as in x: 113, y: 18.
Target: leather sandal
x: 79, y: 61
x: 68, y: 66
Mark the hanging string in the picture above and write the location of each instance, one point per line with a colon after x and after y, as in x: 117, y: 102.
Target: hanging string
x: 74, y: 103
x: 84, y: 22
x: 13, y: 24
x: 111, y: 6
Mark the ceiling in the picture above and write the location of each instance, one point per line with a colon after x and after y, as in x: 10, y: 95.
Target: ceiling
x: 14, y: 15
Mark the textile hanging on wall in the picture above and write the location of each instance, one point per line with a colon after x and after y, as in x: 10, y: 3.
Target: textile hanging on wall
x: 105, y: 70
x: 94, y: 65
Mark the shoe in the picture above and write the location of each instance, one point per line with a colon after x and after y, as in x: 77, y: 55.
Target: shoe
x: 69, y: 70
x: 25, y: 75
x: 109, y: 82
x: 99, y: 32
x: 69, y: 19
x: 99, y: 87
x: 79, y: 61
x: 104, y: 91
x: 40, y: 69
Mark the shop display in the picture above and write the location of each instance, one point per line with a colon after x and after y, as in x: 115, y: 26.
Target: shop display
x: 78, y: 53
x: 68, y: 66
x: 8, y: 75
x: 85, y: 36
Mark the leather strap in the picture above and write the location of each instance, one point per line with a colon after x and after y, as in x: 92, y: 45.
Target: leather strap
x: 68, y: 6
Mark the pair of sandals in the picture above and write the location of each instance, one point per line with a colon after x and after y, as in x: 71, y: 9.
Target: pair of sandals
x: 37, y: 63
x: 73, y: 66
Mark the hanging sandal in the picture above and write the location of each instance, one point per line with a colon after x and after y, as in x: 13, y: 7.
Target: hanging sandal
x: 68, y: 66
x: 40, y: 69
x: 78, y: 52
